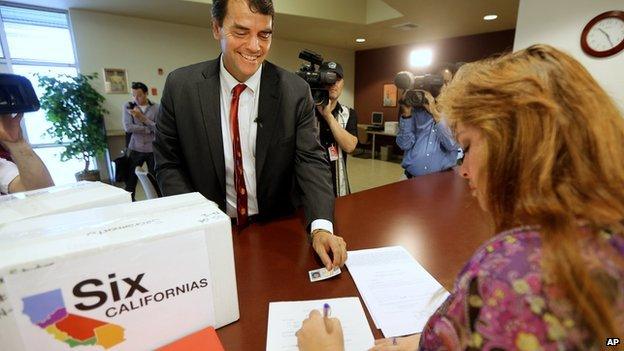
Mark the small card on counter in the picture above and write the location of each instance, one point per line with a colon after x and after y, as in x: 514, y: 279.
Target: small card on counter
x: 323, y: 273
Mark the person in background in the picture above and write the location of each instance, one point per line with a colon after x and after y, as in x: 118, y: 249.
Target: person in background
x: 139, y: 118
x: 337, y: 130
x: 25, y: 170
x: 543, y: 154
x: 426, y: 140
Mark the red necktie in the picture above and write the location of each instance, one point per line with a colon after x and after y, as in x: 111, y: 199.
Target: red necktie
x: 239, y: 174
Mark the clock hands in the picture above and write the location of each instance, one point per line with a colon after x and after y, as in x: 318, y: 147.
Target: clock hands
x: 607, y: 35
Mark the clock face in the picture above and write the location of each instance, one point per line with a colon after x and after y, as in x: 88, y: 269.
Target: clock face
x: 606, y: 34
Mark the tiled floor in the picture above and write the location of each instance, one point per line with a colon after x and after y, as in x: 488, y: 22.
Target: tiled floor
x: 363, y: 174
x: 366, y: 173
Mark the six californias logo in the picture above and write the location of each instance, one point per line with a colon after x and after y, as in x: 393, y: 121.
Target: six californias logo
x: 47, y: 310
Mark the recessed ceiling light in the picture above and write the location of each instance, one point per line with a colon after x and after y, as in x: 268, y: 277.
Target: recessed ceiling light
x: 360, y: 40
x: 490, y: 17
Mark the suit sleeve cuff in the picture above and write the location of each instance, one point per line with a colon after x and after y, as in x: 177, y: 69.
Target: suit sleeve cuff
x: 322, y: 224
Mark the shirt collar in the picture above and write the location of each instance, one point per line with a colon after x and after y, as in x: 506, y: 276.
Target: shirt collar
x: 253, y: 83
x: 337, y: 109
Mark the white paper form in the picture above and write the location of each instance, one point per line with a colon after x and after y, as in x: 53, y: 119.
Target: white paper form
x: 398, y: 292
x: 285, y: 319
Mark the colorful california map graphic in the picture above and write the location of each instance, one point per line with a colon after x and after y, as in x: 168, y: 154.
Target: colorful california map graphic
x: 47, y: 310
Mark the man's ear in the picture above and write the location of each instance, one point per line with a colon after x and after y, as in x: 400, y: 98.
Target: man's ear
x: 216, y: 30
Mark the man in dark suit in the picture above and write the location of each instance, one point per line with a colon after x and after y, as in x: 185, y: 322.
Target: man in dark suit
x: 242, y: 132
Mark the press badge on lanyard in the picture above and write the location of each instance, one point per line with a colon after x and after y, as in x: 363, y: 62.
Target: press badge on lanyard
x: 333, y: 152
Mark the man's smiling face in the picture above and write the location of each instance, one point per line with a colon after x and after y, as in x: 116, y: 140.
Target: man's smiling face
x: 245, y: 39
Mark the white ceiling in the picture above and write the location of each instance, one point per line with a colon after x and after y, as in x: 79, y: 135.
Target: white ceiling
x: 333, y: 23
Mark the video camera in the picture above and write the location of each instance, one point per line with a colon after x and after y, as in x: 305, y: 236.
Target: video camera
x: 17, y: 95
x: 415, y: 86
x: 316, y: 76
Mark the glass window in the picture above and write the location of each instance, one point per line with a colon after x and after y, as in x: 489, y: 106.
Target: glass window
x: 39, y: 42
x: 35, y: 17
x: 62, y: 172
x: 37, y: 35
x: 36, y: 123
x: 48, y: 44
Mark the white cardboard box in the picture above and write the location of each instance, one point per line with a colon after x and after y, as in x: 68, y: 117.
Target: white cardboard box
x: 128, y: 277
x: 58, y: 199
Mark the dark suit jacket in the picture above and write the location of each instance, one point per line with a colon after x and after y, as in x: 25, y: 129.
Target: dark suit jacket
x: 290, y: 164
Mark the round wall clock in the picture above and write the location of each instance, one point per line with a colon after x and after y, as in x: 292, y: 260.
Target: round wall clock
x: 604, y: 35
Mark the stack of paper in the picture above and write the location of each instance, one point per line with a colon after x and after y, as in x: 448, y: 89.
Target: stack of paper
x: 58, y: 199
x: 398, y: 292
x: 285, y: 319
x: 135, y: 276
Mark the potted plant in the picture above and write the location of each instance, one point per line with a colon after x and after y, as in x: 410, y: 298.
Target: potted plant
x: 75, y: 110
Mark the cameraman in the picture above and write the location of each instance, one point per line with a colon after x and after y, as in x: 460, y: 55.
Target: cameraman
x: 139, y: 118
x: 428, y: 144
x: 337, y: 130
x: 28, y: 172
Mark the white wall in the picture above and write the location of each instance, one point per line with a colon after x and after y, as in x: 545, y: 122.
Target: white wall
x: 559, y: 23
x: 142, y: 46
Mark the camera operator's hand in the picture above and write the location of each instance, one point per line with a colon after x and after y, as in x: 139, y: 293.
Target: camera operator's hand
x: 431, y: 106
x: 33, y: 174
x: 326, y: 110
x: 10, y: 130
x: 136, y: 113
x: 404, y: 109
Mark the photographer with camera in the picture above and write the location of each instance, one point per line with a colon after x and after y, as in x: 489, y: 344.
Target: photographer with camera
x: 428, y: 144
x: 337, y: 130
x: 139, y: 118
x: 27, y: 171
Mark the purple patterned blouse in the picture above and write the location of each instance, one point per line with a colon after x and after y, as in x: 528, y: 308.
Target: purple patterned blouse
x: 500, y: 300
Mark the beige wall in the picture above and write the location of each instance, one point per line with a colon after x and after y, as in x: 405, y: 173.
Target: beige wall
x: 142, y: 46
x: 559, y: 23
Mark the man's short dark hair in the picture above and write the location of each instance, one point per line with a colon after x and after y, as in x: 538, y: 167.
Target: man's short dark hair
x: 219, y: 9
x: 139, y: 85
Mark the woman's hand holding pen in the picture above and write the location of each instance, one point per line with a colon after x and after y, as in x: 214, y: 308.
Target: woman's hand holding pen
x: 320, y: 333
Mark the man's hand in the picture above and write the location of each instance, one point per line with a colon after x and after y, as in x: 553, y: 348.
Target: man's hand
x: 404, y: 109
x: 431, y: 106
x: 323, y: 242
x: 136, y: 113
x: 326, y: 110
x: 10, y: 130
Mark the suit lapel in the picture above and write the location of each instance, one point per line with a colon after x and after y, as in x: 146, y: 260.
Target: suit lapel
x: 209, y: 97
x: 270, y: 94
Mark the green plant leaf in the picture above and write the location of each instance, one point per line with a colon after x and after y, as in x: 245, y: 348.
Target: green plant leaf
x: 75, y: 110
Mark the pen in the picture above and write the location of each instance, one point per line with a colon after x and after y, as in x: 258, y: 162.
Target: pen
x: 326, y: 313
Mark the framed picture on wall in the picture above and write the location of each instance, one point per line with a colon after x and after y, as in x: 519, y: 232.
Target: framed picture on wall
x: 389, y: 95
x: 115, y: 81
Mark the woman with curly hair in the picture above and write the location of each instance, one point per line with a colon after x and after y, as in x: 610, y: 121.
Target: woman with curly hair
x: 544, y: 155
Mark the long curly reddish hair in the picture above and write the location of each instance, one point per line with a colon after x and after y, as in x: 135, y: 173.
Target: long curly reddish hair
x: 554, y: 157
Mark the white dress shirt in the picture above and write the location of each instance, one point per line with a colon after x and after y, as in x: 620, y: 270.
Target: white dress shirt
x: 247, y: 113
